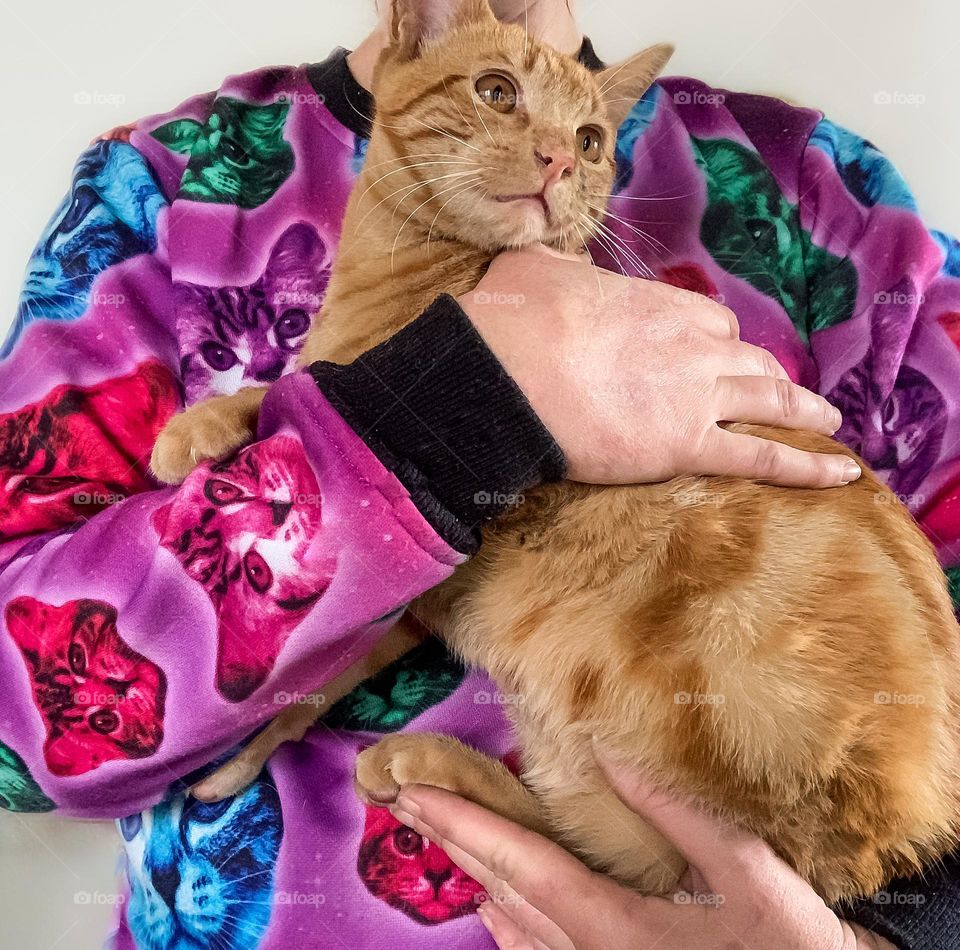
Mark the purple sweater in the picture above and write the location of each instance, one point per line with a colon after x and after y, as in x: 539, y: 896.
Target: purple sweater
x: 146, y: 631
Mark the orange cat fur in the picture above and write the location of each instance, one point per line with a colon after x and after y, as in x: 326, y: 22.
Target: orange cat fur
x: 734, y: 639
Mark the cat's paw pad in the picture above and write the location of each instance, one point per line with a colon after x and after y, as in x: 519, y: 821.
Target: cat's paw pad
x: 192, y: 437
x: 404, y: 759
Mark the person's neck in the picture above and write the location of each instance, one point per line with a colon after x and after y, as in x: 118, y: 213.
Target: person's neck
x: 550, y: 21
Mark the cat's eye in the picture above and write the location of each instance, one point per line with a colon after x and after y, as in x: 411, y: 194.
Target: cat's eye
x: 104, y: 721
x: 206, y: 812
x: 590, y: 143
x: 77, y: 658
x: 218, y: 357
x: 221, y: 493
x: 497, y: 91
x: 292, y: 323
x: 258, y: 572
x: 407, y: 841
x: 130, y: 825
x: 39, y: 485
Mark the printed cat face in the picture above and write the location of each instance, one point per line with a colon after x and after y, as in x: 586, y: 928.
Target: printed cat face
x: 248, y: 336
x: 523, y: 137
x: 202, y: 875
x: 412, y: 874
x: 80, y: 449
x: 752, y: 232
x: 99, y: 699
x: 400, y: 692
x: 242, y: 529
x: 893, y: 415
x: 19, y: 790
x: 110, y: 215
x: 239, y: 157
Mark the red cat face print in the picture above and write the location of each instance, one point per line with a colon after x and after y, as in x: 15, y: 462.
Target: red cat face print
x: 412, y: 874
x: 242, y: 529
x: 80, y: 449
x: 99, y: 698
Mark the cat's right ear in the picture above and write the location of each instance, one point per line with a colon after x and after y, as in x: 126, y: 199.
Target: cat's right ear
x: 413, y: 22
x: 623, y: 84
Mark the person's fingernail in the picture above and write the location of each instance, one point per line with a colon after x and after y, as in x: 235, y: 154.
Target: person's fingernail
x: 851, y: 472
x: 408, y: 804
x: 483, y: 914
x: 834, y: 420
x: 405, y: 818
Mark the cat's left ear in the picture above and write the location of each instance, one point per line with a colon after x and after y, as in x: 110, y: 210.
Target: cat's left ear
x: 414, y: 21
x: 623, y: 84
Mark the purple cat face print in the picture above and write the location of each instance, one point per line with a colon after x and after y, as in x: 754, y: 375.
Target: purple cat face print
x: 237, y: 336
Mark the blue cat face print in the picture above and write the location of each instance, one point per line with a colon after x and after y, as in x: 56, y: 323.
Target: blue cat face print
x: 202, y: 875
x: 110, y: 215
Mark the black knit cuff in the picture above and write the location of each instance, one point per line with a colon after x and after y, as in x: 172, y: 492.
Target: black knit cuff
x: 439, y: 409
x: 921, y: 913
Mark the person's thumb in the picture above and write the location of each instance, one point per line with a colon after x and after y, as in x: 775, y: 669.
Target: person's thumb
x: 709, y: 844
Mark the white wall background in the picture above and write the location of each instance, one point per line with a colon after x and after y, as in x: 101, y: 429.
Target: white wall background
x: 845, y: 56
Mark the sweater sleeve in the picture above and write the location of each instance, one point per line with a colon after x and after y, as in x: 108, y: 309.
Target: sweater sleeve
x: 889, y: 358
x: 144, y: 631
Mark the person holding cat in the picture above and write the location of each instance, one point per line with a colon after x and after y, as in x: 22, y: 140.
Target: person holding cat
x: 199, y: 249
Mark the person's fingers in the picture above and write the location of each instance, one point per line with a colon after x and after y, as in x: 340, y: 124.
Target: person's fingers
x: 714, y: 848
x: 745, y: 359
x: 524, y: 873
x: 508, y: 934
x: 773, y: 401
x: 749, y: 456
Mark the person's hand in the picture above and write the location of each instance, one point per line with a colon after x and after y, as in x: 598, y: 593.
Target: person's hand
x: 632, y: 377
x: 735, y: 893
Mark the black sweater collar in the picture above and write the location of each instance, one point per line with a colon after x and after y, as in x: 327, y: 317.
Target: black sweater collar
x: 352, y: 105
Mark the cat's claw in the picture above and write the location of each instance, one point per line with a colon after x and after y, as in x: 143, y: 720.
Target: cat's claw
x: 200, y: 433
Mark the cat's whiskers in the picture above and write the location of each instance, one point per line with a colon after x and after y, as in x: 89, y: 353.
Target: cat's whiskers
x: 622, y: 197
x: 442, y: 191
x: 473, y: 102
x: 631, y: 256
x: 456, y: 194
x: 586, y: 247
x: 648, y: 238
x: 403, y: 158
x: 407, y: 188
x: 403, y: 168
x: 605, y: 243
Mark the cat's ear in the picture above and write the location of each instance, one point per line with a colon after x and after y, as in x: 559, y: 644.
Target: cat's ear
x: 414, y: 21
x: 623, y: 84
x: 299, y: 254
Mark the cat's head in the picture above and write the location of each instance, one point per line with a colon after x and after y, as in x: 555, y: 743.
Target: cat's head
x: 99, y: 698
x: 411, y: 873
x: 202, y: 874
x: 490, y: 137
x: 244, y: 529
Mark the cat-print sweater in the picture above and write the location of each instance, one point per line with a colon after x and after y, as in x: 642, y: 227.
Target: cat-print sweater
x: 144, y: 631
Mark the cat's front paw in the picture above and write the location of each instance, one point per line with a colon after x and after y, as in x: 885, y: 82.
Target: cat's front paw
x: 202, y: 432
x: 405, y: 758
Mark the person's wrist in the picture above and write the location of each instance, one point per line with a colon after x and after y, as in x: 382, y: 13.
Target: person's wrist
x: 438, y: 408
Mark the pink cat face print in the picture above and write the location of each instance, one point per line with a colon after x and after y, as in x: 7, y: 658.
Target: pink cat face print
x: 99, y: 698
x: 242, y: 529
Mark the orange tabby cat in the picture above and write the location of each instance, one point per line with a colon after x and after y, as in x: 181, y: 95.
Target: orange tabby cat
x: 729, y: 637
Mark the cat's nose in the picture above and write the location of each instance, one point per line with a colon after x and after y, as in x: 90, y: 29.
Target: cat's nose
x: 269, y: 374
x: 166, y: 880
x: 556, y: 163
x: 436, y: 879
x: 280, y: 511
